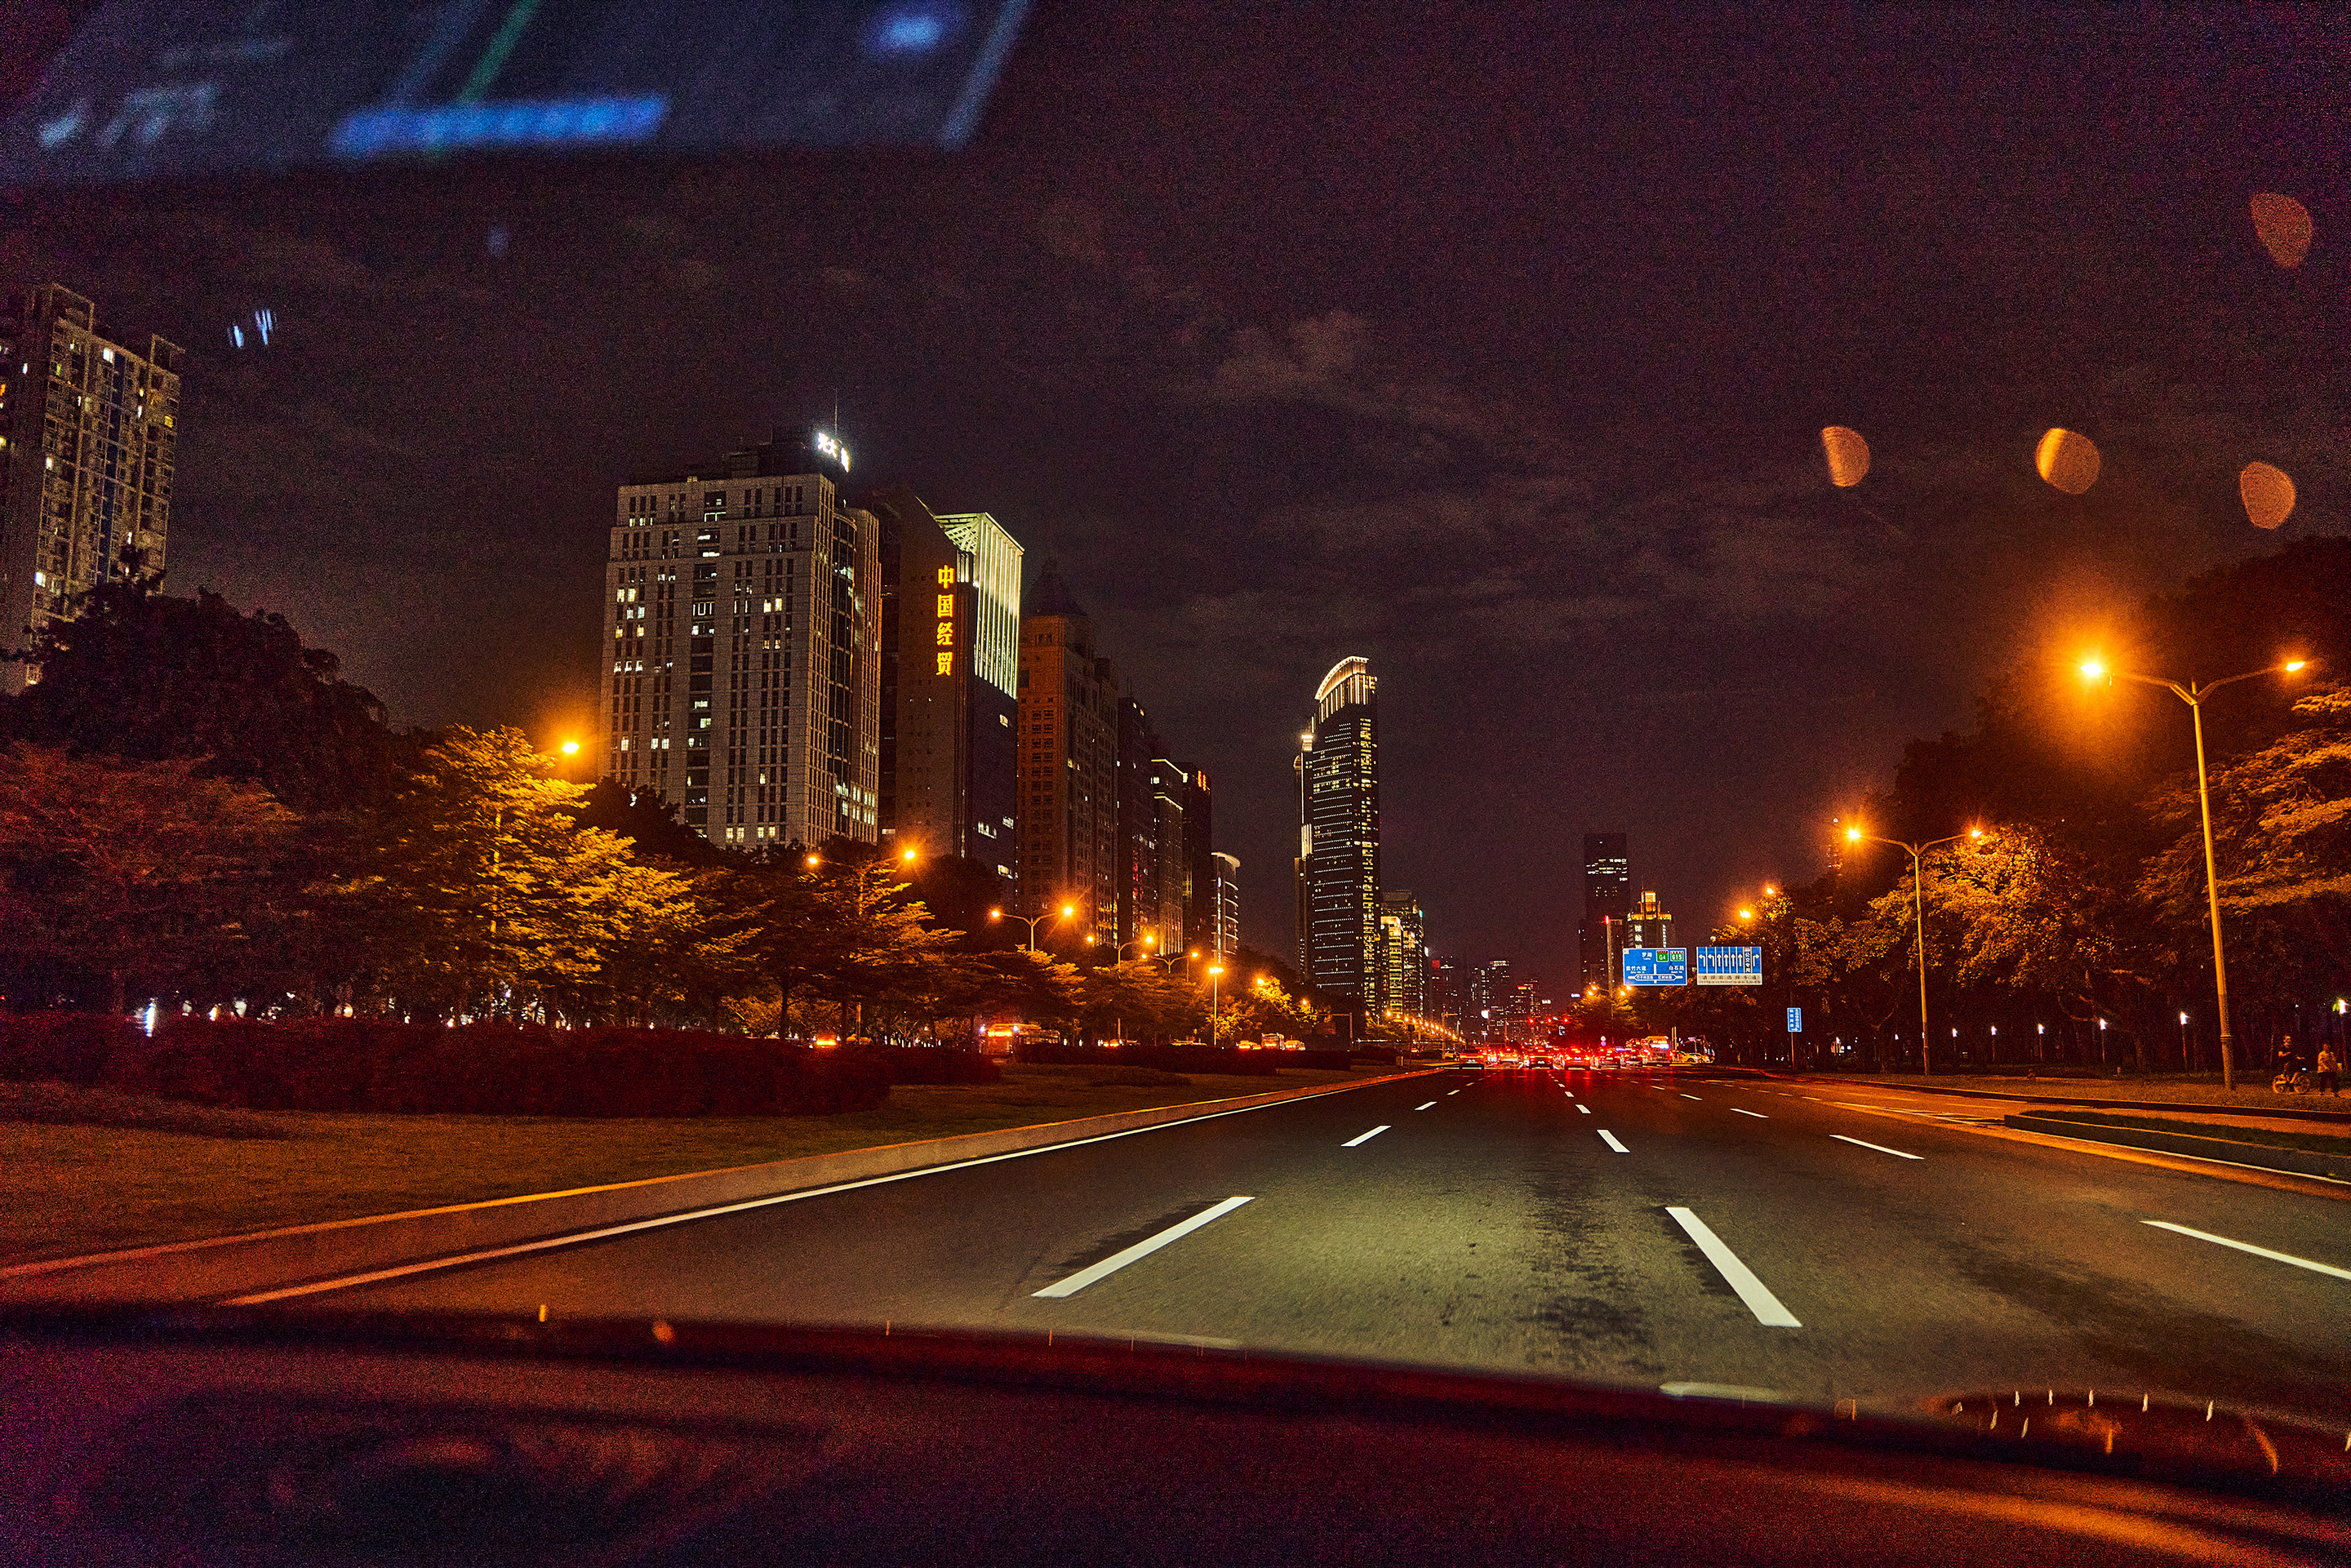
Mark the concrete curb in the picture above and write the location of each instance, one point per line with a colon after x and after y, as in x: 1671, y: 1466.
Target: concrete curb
x: 2259, y: 1156
x: 225, y: 1266
x: 2288, y: 1111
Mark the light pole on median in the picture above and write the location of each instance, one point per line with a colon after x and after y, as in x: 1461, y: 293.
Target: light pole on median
x: 1919, y: 904
x: 2193, y: 694
x: 1030, y: 920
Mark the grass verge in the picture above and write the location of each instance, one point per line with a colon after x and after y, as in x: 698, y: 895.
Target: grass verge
x: 2233, y: 1132
x: 85, y: 1171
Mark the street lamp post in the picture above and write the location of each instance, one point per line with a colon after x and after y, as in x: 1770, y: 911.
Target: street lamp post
x: 1918, y: 906
x: 1213, y: 971
x: 2193, y: 694
x: 1032, y: 921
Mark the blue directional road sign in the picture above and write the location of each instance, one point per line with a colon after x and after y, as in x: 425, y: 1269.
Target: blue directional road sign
x: 1795, y: 1021
x: 1657, y: 965
x: 1729, y: 966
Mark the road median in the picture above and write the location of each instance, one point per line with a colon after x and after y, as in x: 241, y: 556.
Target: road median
x: 217, y: 1267
x: 2284, y: 1159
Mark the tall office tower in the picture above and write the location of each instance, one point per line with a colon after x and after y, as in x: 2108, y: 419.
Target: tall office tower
x: 1490, y: 998
x: 1228, y: 900
x: 1339, y: 841
x: 1199, y: 865
x: 1648, y: 925
x: 1403, y: 956
x: 1138, y: 828
x: 1069, y: 766
x: 1607, y: 903
x: 1444, y: 986
x: 742, y: 626
x: 1172, y: 895
x: 950, y: 682
x: 88, y: 429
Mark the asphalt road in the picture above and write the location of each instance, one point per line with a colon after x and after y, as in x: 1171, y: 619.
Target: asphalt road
x: 1651, y: 1228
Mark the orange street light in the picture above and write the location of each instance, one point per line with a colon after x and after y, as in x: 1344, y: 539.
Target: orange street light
x: 2193, y: 694
x: 1918, y: 907
x: 1032, y: 921
x: 908, y: 857
x: 571, y: 748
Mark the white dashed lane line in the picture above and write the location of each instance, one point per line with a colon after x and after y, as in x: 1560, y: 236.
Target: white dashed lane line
x: 2327, y: 1268
x: 1736, y: 1274
x: 1881, y: 1148
x: 1364, y: 1137
x: 1609, y: 1138
x: 1117, y: 1261
x: 1424, y: 1107
x: 1757, y: 1115
x: 1582, y: 1107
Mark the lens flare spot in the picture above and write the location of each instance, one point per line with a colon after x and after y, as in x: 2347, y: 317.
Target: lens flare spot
x: 1848, y: 456
x: 2067, y: 460
x: 2268, y: 494
x: 2282, y: 226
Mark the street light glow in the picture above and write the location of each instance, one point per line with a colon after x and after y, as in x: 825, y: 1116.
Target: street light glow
x: 571, y: 748
x: 2093, y: 668
x: 2292, y: 666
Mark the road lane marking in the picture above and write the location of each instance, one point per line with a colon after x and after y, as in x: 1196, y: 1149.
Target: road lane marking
x: 601, y: 1233
x: 1689, y: 1096
x: 1365, y: 1137
x: 1737, y: 1275
x: 1424, y: 1107
x: 1881, y: 1148
x: 2328, y: 1269
x: 1609, y: 1138
x: 1582, y: 1107
x: 1449, y: 1093
x: 1757, y: 1115
x: 1141, y: 1249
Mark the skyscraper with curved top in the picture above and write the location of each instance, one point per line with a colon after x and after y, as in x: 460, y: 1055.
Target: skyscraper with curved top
x: 1339, y: 843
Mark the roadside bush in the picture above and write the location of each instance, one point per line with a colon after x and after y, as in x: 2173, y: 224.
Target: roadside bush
x: 71, y: 1048
x: 1166, y: 1058
x: 929, y: 1064
x: 497, y: 1069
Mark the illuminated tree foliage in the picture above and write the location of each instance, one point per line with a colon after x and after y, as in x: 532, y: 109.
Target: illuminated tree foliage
x: 136, y: 871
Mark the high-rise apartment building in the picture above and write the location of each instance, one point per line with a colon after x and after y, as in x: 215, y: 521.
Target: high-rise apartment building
x: 89, y: 429
x: 1607, y: 904
x: 1403, y: 956
x: 1138, y: 828
x: 1171, y: 827
x: 1339, y: 842
x: 1199, y: 879
x: 742, y: 633
x: 950, y: 682
x: 1227, y: 900
x: 1069, y: 812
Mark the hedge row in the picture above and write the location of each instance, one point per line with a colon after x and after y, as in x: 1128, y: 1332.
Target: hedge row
x: 1167, y: 1058
x: 507, y: 1070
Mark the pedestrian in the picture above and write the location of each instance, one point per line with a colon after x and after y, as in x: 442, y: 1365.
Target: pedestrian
x: 2329, y: 1071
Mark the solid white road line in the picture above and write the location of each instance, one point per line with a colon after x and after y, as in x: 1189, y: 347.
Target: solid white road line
x: 1582, y: 1107
x: 575, y: 1238
x: 1741, y: 1278
x: 1117, y: 1261
x: 1757, y: 1115
x: 1424, y: 1107
x: 1881, y: 1148
x: 2328, y: 1269
x: 1365, y: 1137
x: 1609, y: 1138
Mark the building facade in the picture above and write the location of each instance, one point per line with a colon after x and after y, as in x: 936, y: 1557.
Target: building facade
x: 1607, y: 904
x: 1490, y: 992
x: 1403, y: 956
x: 742, y: 633
x: 1069, y: 779
x: 1227, y: 900
x: 950, y: 682
x: 1339, y: 842
x: 88, y: 435
x: 1648, y: 925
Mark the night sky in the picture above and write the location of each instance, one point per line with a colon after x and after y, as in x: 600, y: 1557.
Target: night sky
x: 1487, y: 343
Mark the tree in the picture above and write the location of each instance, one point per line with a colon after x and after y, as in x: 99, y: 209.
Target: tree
x: 483, y: 892
x: 130, y: 868
x: 146, y: 676
x: 648, y: 823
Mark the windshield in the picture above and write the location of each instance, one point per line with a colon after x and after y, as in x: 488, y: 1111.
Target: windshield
x: 1621, y: 694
